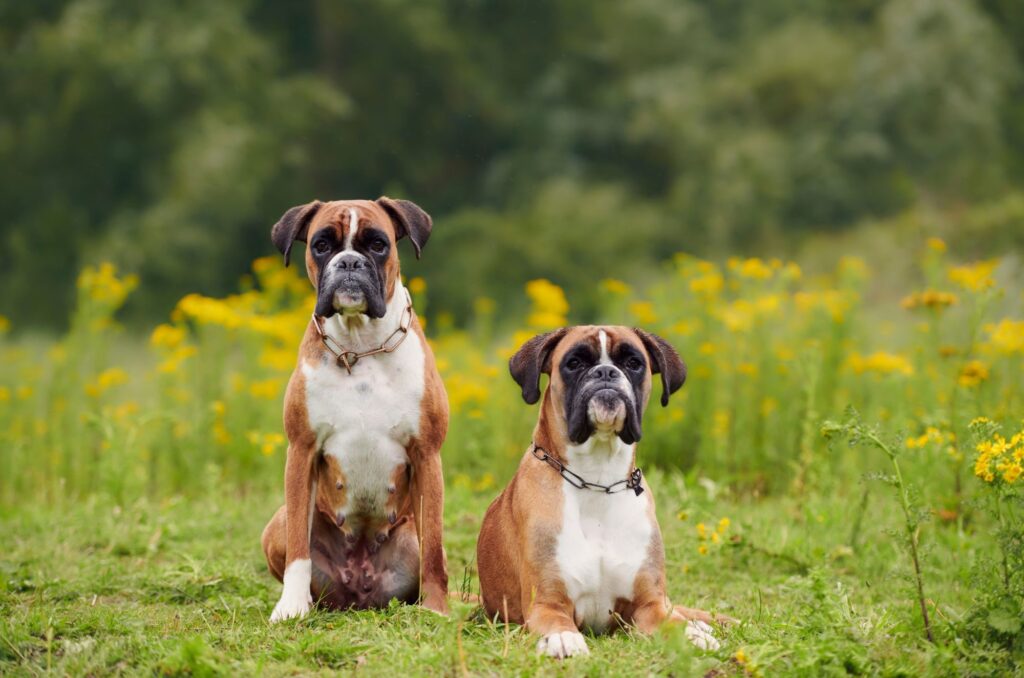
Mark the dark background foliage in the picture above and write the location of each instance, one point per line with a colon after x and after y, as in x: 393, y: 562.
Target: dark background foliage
x: 569, y: 139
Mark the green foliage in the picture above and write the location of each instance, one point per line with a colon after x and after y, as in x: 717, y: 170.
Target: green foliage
x: 168, y: 137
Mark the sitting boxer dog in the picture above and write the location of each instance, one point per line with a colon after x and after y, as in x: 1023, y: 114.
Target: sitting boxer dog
x: 365, y: 413
x: 573, y: 542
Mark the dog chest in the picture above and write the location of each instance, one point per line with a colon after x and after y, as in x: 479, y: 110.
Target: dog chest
x: 366, y: 419
x: 604, y: 541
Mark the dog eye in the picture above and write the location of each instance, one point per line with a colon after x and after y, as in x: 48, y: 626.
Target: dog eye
x: 573, y: 364
x: 634, y: 364
x: 378, y: 246
x: 321, y: 246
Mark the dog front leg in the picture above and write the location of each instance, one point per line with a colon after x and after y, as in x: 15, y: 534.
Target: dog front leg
x: 550, y: 617
x: 296, y: 599
x: 428, y: 511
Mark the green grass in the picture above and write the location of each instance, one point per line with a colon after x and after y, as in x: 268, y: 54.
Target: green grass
x: 180, y: 587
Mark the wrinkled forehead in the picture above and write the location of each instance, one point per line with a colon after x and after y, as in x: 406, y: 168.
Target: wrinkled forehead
x: 600, y: 339
x: 340, y: 215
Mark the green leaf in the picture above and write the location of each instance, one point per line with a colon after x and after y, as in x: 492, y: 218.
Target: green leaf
x: 1005, y: 619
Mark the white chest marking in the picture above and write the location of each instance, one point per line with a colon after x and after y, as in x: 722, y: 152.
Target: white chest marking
x: 605, y: 538
x: 366, y: 419
x: 353, y: 226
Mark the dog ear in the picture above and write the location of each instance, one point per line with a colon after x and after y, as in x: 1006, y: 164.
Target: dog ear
x: 292, y: 226
x: 531, y: 359
x: 664, y: 361
x: 410, y: 220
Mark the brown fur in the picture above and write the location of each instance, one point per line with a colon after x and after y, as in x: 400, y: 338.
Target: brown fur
x: 418, y: 499
x: 515, y: 550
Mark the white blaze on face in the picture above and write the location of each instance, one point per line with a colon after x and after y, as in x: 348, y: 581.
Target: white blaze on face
x: 353, y: 226
x: 603, y: 338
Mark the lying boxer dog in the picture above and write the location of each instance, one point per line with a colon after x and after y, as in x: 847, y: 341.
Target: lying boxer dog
x: 365, y: 413
x: 573, y: 542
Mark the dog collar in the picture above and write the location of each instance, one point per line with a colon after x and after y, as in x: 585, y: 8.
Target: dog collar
x: 347, y: 358
x: 632, y: 482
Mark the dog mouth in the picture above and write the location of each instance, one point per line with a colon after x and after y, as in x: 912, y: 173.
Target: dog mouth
x: 606, y: 410
x: 350, y: 295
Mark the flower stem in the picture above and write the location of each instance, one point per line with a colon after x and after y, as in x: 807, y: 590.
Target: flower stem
x: 912, y: 531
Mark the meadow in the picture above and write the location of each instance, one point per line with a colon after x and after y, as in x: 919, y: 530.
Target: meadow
x: 841, y: 472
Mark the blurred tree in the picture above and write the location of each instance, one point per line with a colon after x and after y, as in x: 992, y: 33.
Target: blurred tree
x: 170, y: 136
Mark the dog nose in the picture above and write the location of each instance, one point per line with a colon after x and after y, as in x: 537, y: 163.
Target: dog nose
x: 350, y: 262
x: 606, y: 373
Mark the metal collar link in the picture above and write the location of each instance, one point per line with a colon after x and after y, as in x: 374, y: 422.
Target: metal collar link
x: 347, y: 358
x: 633, y: 482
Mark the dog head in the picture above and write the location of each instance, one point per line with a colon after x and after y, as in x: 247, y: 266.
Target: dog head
x: 600, y: 377
x: 351, y: 257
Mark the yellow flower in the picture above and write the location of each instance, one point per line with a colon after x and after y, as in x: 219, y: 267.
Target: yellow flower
x: 754, y: 269
x: 702, y: 549
x: 1007, y: 336
x: 880, y: 362
x: 702, y: 531
x: 174, y: 360
x: 549, y: 305
x: 5, y: 324
x: 936, y: 244
x: 644, y: 312
x: 974, y: 277
x: 106, y: 380
x: 615, y: 286
x: 708, y: 284
x: 101, y: 284
x: 715, y: 537
x: 973, y: 373
x: 724, y: 524
x: 5, y: 394
x: 932, y: 299
x: 682, y: 515
x: 167, y: 336
x: 417, y: 285
x: 266, y: 389
x: 483, y: 306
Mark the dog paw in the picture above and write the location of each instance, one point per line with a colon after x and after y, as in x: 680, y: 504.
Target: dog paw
x: 700, y: 634
x: 291, y: 606
x: 296, y: 599
x: 561, y: 645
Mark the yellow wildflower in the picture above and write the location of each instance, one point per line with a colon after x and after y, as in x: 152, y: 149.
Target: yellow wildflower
x: 644, y: 312
x: 754, y: 268
x: 5, y: 324
x: 167, y: 336
x: 880, y: 362
x: 549, y: 304
x: 1006, y: 336
x: 5, y: 394
x: 615, y: 286
x: 724, y: 524
x: 417, y: 285
x: 267, y: 389
x: 931, y: 299
x: 106, y: 380
x: 702, y: 531
x: 936, y: 244
x: 702, y: 549
x: 974, y: 277
x: 973, y: 373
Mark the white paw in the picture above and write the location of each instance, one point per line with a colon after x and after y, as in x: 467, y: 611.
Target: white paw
x: 564, y: 644
x: 700, y: 635
x: 296, y: 599
x: 291, y: 606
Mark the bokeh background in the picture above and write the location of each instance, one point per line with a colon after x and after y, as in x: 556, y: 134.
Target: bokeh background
x: 820, y: 203
x: 566, y: 139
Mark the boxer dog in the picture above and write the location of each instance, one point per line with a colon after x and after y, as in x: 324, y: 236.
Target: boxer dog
x: 573, y: 542
x: 365, y: 413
